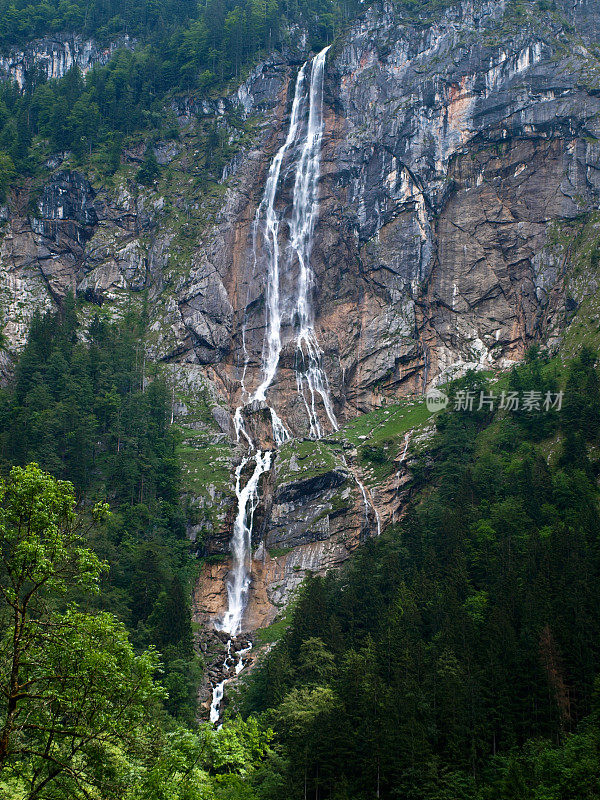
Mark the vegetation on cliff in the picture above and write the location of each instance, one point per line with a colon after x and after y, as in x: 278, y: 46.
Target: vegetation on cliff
x: 182, y: 46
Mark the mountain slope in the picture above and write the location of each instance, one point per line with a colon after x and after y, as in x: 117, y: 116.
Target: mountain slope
x: 456, y: 226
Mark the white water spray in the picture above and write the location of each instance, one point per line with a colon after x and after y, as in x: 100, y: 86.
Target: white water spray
x: 217, y: 696
x: 406, y: 443
x: 304, y: 141
x: 368, y: 505
x: 363, y: 491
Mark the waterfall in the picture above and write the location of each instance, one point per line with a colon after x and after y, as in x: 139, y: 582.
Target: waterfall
x: 286, y: 305
x: 247, y: 500
x: 219, y: 689
x: 309, y: 372
x: 367, y: 504
x: 266, y: 223
x: 217, y: 696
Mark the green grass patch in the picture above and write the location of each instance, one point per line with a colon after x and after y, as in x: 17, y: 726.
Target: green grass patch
x: 311, y: 459
x: 277, y: 552
x: 273, y: 632
x: 204, y: 464
x: 386, y: 423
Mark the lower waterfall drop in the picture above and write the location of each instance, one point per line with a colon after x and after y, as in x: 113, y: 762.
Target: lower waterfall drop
x: 238, y: 583
x: 247, y: 500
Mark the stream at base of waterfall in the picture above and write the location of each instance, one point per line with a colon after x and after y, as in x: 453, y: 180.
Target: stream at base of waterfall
x: 288, y: 305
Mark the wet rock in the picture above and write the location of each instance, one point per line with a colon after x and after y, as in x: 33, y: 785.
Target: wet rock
x: 66, y: 209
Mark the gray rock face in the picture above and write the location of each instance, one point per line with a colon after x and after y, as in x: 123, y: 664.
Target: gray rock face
x: 66, y: 208
x: 55, y: 55
x: 449, y: 148
x: 291, y: 492
x: 583, y: 14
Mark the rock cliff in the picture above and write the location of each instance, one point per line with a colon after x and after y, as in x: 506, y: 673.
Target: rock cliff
x: 449, y: 149
x: 55, y: 56
x: 460, y: 162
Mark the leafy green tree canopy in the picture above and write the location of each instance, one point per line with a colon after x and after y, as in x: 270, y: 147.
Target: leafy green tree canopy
x: 72, y: 687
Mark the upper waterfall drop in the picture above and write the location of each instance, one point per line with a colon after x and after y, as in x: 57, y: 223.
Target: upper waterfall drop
x: 310, y: 374
x: 288, y: 304
x: 266, y: 223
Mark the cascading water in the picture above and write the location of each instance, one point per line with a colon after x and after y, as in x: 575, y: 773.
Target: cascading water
x: 287, y: 305
x: 309, y: 372
x: 266, y: 226
x: 367, y: 504
x: 407, y: 436
x: 406, y: 443
x: 239, y: 581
